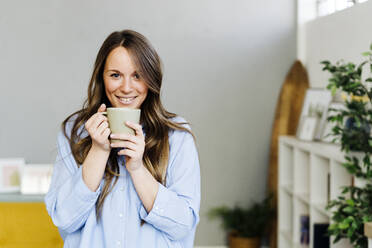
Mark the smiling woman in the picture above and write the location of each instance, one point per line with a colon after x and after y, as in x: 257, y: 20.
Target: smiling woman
x: 124, y: 86
x: 150, y: 197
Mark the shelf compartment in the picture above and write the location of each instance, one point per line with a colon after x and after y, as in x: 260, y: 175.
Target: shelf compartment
x: 299, y: 209
x: 319, y: 179
x: 304, y: 197
x: 316, y: 217
x: 285, y: 165
x: 320, y: 208
x: 285, y: 211
x: 339, y: 178
x: 301, y: 163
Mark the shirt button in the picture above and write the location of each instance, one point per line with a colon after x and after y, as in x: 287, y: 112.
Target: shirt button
x: 121, y: 215
x: 118, y: 242
x: 156, y: 208
x: 122, y: 188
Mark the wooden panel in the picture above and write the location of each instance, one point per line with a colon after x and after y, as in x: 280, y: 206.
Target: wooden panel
x: 287, y: 114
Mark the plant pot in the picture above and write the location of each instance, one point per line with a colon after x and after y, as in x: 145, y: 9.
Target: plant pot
x: 242, y: 242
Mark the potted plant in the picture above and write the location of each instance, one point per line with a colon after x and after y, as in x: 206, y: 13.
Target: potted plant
x: 353, y: 125
x: 245, y: 226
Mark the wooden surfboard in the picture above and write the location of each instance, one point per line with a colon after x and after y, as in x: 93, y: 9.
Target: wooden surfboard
x: 287, y: 115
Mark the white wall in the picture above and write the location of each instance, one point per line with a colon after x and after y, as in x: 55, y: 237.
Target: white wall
x: 342, y: 35
x: 224, y: 64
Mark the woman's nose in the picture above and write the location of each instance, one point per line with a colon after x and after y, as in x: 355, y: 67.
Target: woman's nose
x: 126, y: 85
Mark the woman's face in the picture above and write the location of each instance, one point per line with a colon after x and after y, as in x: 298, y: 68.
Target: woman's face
x: 123, y: 85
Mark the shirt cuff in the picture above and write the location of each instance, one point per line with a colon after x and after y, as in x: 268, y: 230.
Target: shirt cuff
x: 158, y: 208
x: 82, y: 190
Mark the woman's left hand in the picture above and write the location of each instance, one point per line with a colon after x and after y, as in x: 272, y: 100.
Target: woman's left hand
x: 134, y: 146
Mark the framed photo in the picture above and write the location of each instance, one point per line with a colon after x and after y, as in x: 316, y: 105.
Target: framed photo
x: 328, y: 126
x: 315, y: 105
x: 307, y: 128
x: 10, y: 174
x: 36, y: 178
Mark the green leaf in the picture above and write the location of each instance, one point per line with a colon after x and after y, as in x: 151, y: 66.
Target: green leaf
x: 365, y: 54
x: 333, y: 90
x: 365, y: 219
x: 350, y: 202
x: 343, y: 225
x: 370, y: 47
x: 349, y: 210
x: 332, y: 227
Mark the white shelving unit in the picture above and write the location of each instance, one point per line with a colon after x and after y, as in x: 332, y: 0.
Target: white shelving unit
x: 310, y: 174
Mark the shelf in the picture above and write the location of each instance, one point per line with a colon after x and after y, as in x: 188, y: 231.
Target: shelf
x: 287, y: 235
x: 297, y: 245
x: 288, y: 189
x: 320, y: 207
x: 310, y: 175
x: 18, y: 197
x: 304, y: 197
x: 328, y: 150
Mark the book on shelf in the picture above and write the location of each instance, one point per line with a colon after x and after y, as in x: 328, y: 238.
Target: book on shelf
x: 321, y: 238
x: 305, y: 230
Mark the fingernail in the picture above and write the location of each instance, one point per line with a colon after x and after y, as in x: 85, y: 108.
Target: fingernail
x: 112, y: 135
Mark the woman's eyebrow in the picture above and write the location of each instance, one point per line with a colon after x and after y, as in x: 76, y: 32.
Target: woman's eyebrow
x: 114, y: 70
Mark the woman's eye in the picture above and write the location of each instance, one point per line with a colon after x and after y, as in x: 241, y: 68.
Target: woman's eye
x: 136, y: 76
x: 115, y: 75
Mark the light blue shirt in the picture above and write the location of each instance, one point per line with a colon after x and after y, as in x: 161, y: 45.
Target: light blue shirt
x: 171, y: 222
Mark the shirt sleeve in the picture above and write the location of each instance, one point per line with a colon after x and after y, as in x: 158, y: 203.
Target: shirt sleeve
x: 68, y: 201
x: 176, y: 208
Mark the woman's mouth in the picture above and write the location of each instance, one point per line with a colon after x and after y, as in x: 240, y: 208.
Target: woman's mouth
x: 126, y: 100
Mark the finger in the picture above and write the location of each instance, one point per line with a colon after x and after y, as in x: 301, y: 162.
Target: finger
x: 127, y: 152
x: 99, y: 118
x: 102, y: 108
x: 125, y: 144
x: 137, y: 128
x: 101, y: 128
x: 106, y: 133
x: 122, y: 136
x: 126, y: 137
x: 93, y: 121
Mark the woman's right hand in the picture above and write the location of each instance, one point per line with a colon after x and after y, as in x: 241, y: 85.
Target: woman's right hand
x: 98, y: 129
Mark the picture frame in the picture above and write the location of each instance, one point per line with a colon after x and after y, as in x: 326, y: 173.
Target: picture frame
x: 315, y: 105
x: 307, y: 128
x: 10, y: 174
x: 36, y: 179
x: 328, y: 126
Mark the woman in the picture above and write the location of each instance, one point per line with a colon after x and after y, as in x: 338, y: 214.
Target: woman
x: 143, y: 191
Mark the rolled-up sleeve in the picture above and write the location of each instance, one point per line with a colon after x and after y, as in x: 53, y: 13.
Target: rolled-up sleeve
x: 176, y: 208
x: 68, y: 201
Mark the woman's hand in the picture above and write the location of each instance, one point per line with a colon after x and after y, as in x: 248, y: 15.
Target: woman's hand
x: 134, y: 146
x: 98, y: 129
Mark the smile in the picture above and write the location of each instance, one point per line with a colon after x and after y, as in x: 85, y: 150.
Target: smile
x: 126, y: 100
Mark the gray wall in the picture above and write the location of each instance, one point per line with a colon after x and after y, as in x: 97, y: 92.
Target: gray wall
x: 224, y: 64
x: 342, y: 35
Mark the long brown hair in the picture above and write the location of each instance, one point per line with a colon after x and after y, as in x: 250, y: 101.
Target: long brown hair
x: 156, y: 121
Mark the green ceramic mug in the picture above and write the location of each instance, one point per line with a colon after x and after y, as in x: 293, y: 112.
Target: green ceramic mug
x: 117, y: 117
